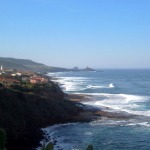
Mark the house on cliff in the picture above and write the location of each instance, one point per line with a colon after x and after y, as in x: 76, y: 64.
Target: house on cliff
x: 38, y: 80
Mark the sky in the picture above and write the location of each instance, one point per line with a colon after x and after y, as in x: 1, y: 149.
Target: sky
x: 69, y: 33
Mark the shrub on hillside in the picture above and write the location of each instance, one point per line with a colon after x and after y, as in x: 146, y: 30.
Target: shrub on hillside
x: 90, y: 147
x: 2, y: 139
x: 49, y: 146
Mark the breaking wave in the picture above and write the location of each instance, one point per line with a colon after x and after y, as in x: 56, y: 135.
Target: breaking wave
x: 111, y: 85
x: 133, y: 104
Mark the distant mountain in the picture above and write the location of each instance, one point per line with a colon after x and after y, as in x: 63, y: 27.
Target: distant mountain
x: 27, y: 65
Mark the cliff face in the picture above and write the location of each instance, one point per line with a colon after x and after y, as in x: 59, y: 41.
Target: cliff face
x: 23, y: 114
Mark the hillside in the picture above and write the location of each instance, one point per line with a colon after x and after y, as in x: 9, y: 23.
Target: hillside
x: 24, y: 113
x: 28, y: 65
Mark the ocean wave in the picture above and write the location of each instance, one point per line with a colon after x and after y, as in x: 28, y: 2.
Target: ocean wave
x: 72, y: 87
x: 120, y: 102
x: 71, y: 84
x: 54, y: 74
x: 50, y: 136
x: 130, y: 122
x: 111, y: 85
x: 145, y: 124
x: 133, y: 104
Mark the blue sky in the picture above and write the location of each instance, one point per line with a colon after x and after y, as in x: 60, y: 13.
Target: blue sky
x: 68, y: 33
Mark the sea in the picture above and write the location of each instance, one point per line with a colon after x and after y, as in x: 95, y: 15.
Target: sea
x: 121, y: 91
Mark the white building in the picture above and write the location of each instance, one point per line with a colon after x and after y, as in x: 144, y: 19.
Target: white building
x: 1, y: 68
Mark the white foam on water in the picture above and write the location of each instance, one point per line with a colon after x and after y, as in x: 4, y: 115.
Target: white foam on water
x: 69, y: 84
x: 109, y: 102
x: 72, y: 84
x: 119, y: 102
x: 130, y: 122
x: 95, y: 86
x: 54, y: 74
x: 107, y: 121
x: 111, y: 85
x: 49, y: 136
x: 88, y: 133
x: 145, y: 124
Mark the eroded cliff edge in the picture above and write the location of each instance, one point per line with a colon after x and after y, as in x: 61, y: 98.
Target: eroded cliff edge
x: 25, y: 110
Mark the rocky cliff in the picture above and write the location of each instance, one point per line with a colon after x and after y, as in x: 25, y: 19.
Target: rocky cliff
x: 24, y: 113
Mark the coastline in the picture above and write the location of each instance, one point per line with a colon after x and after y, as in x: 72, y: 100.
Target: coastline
x: 41, y: 106
x: 87, y: 114
x: 92, y: 112
x: 36, y: 107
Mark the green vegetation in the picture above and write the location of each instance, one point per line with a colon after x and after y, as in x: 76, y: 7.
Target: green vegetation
x: 2, y: 139
x: 90, y: 147
x: 49, y: 146
x: 41, y: 89
x: 24, y: 113
x: 27, y: 65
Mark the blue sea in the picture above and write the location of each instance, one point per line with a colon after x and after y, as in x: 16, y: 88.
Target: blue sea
x: 120, y: 91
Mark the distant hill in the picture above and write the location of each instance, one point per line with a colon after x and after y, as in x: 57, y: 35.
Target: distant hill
x: 28, y: 65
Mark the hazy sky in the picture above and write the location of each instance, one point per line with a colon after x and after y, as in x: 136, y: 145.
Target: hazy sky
x: 68, y: 33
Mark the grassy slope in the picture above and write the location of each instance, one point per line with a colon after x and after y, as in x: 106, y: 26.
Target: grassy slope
x: 9, y: 64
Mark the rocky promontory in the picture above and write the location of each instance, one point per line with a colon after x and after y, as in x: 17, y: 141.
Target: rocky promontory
x: 25, y: 108
x: 85, y: 69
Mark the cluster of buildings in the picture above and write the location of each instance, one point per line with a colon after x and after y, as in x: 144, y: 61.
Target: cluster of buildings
x: 13, y: 76
x: 38, y: 79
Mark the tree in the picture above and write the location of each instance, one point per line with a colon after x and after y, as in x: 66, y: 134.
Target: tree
x: 49, y: 146
x: 90, y: 147
x: 2, y: 139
